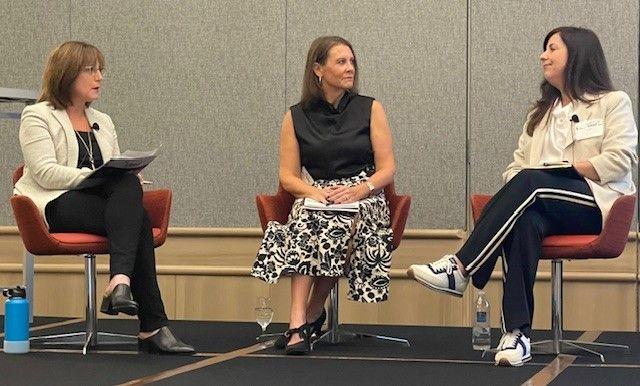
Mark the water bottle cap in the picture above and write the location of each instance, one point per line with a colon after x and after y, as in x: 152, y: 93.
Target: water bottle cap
x: 18, y: 292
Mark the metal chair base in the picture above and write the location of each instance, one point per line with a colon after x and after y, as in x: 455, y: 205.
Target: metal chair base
x: 86, y: 340
x: 335, y: 334
x: 557, y: 345
x: 90, y: 338
x: 566, y: 346
x: 263, y: 337
x: 339, y: 335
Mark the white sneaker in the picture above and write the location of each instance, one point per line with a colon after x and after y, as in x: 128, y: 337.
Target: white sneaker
x: 442, y: 275
x: 514, y: 349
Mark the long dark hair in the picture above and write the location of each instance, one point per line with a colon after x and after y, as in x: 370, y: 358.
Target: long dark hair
x: 586, y: 71
x: 318, y: 53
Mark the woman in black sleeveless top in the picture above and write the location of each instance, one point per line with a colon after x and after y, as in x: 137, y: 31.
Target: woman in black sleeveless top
x: 335, y: 148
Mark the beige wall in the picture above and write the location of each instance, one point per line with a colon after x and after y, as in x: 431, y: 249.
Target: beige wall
x: 207, y: 278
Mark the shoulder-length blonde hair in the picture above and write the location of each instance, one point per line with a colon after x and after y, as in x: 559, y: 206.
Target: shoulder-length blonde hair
x: 63, y: 66
x: 318, y: 54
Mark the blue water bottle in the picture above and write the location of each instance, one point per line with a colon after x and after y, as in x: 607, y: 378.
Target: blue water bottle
x: 16, y: 321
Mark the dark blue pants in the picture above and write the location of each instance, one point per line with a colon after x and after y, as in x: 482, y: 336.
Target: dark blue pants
x: 115, y: 210
x: 532, y: 205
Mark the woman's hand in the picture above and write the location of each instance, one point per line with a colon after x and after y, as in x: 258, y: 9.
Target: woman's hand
x: 586, y: 169
x: 342, y: 194
x: 318, y: 194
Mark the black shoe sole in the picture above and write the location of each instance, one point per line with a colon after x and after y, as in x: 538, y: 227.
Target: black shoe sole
x: 107, y: 308
x: 301, y: 348
x: 153, y: 350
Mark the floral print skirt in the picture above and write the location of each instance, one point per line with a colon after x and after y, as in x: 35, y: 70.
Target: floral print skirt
x: 315, y: 243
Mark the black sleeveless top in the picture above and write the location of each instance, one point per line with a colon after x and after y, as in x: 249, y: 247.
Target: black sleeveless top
x: 84, y: 161
x: 335, y: 142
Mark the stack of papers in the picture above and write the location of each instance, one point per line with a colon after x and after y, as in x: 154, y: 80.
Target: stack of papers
x: 311, y: 204
x: 128, y: 162
x: 551, y: 165
x: 131, y: 160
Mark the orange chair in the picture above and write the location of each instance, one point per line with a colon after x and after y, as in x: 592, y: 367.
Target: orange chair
x: 38, y: 241
x: 277, y: 208
x: 608, y: 244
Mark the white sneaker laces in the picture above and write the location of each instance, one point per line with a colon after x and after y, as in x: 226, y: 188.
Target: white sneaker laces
x: 511, y: 340
x: 445, y: 264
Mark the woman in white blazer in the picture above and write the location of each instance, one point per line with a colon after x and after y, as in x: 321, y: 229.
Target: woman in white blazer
x: 63, y: 140
x: 574, y: 159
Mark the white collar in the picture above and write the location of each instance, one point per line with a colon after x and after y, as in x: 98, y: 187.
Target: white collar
x: 559, y: 110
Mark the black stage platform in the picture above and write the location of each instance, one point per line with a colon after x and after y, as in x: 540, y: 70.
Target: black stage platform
x: 228, y: 355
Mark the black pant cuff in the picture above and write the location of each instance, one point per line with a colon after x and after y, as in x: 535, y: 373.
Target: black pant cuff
x: 148, y: 326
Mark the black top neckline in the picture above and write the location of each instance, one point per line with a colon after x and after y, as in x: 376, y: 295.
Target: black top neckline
x: 324, y: 105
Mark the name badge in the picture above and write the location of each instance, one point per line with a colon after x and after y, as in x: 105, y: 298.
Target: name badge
x: 589, y: 129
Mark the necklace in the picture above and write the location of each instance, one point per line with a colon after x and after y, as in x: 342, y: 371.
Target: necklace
x: 89, y: 147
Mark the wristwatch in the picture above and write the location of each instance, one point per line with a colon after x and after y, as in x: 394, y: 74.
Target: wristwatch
x: 370, y: 186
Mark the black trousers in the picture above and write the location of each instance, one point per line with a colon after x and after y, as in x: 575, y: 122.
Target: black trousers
x: 115, y: 210
x: 531, y: 206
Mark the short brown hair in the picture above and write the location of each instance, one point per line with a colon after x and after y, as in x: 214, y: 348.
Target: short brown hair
x: 318, y: 53
x: 63, y: 66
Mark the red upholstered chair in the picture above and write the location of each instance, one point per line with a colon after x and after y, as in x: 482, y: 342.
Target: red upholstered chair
x: 38, y: 241
x: 608, y: 244
x: 277, y: 208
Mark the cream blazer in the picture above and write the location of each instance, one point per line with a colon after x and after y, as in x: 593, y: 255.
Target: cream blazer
x: 606, y: 135
x: 50, y: 150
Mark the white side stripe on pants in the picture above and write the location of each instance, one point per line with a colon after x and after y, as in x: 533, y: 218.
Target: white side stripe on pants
x: 498, y: 238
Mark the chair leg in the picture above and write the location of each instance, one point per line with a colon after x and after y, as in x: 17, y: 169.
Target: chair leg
x: 27, y: 279
x: 557, y: 345
x: 91, y: 337
x: 335, y: 334
x: 91, y: 309
x: 332, y: 335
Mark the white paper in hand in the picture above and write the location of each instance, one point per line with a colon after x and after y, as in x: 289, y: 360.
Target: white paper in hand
x: 311, y: 204
x: 551, y: 165
x: 127, y: 162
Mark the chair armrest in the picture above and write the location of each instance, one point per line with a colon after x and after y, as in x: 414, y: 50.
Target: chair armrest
x: 478, y: 202
x: 33, y: 230
x: 273, y: 208
x: 157, y: 203
x: 615, y: 231
x: 399, y: 210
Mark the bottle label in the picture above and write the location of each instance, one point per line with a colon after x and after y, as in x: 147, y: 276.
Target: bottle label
x: 481, y: 316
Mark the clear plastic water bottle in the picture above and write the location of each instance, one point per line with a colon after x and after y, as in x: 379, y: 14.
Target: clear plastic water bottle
x: 16, y: 321
x: 481, y: 335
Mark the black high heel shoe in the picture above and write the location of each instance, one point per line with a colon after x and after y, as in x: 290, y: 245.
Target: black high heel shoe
x: 316, y: 329
x: 283, y: 339
x: 304, y: 346
x: 119, y: 300
x: 318, y: 323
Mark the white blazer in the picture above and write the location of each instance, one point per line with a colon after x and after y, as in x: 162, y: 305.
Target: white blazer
x: 609, y: 142
x: 50, y: 150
